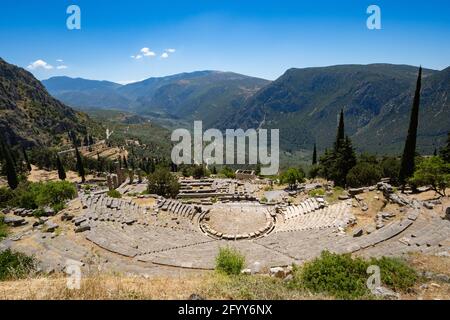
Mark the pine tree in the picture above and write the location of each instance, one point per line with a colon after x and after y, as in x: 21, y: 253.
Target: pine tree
x: 336, y: 164
x: 314, y: 160
x: 79, y: 165
x: 60, y: 167
x: 409, y: 153
x: 445, y: 152
x: 27, y: 161
x: 86, y: 141
x: 10, y: 168
x: 349, y: 155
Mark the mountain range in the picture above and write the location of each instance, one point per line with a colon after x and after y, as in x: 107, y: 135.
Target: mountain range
x: 29, y: 115
x: 302, y: 103
x: 186, y: 96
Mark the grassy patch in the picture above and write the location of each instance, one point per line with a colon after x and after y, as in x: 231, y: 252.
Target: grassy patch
x: 337, y: 191
x: 15, y: 265
x: 255, y: 287
x: 229, y: 261
x: 114, y: 194
x: 317, y: 192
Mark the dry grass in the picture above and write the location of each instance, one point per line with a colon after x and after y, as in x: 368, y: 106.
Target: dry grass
x: 37, y: 175
x: 431, y: 289
x: 117, y: 287
x: 209, y: 285
x: 435, y: 264
x: 101, y: 287
x: 150, y: 202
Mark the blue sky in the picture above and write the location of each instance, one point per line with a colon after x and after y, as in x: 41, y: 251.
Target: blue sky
x: 258, y: 38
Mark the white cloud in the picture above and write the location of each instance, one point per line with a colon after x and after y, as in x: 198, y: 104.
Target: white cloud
x: 60, y: 60
x: 144, y: 52
x: 61, y: 67
x: 39, y: 64
x: 147, y: 52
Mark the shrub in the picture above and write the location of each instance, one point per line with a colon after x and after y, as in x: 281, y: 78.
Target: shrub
x: 364, y: 174
x: 163, y: 183
x: 395, y: 273
x: 345, y: 277
x: 314, y: 172
x: 58, y: 207
x: 38, y: 213
x: 292, y: 176
x: 390, y: 168
x: 230, y: 261
x: 114, y: 194
x: 38, y: 195
x: 198, y: 172
x: 228, y: 172
x: 53, y: 193
x: 432, y: 171
x: 337, y: 275
x: 6, y: 195
x: 24, y: 197
x: 15, y: 265
x: 3, y: 228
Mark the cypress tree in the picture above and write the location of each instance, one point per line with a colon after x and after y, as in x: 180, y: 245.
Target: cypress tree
x: 314, y: 160
x: 10, y: 168
x: 27, y: 161
x: 80, y: 167
x: 99, y: 163
x: 409, y: 153
x: 91, y: 140
x: 60, y: 167
x: 86, y: 141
